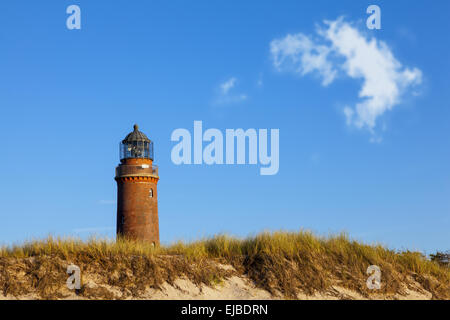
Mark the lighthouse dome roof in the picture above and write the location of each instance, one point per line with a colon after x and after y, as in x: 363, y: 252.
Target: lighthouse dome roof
x: 136, y: 135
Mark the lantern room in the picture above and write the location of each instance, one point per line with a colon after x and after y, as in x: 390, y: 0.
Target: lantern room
x: 136, y: 145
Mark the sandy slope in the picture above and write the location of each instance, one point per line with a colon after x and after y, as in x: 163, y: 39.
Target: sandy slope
x: 239, y: 288
x: 236, y: 287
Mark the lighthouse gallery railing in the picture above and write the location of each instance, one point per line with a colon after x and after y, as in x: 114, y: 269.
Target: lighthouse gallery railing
x: 136, y: 170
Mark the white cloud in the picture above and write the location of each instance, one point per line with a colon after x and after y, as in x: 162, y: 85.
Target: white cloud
x: 226, y: 96
x: 303, y: 55
x: 227, y: 85
x: 344, y: 49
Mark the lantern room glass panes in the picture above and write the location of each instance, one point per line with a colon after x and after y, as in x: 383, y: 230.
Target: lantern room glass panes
x: 136, y: 149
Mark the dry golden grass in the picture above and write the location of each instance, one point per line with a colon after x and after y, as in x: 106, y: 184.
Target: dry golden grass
x: 280, y: 262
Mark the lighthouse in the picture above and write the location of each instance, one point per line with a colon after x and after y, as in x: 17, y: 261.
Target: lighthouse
x: 137, y: 197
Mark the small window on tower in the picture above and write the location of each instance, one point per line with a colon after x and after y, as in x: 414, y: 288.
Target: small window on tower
x: 151, y: 193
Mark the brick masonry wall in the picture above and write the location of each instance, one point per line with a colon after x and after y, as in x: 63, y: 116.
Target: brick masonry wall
x: 137, y: 208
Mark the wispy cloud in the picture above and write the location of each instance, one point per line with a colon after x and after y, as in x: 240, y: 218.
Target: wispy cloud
x: 92, y: 229
x: 314, y: 158
x: 300, y: 54
x: 226, y: 96
x: 260, y: 81
x: 341, y: 48
x: 227, y: 85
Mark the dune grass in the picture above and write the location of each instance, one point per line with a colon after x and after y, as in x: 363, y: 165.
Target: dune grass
x: 281, y: 262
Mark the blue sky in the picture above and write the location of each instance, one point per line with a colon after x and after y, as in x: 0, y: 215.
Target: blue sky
x: 68, y: 97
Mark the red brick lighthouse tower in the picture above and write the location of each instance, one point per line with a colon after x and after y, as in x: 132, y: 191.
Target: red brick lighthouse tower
x: 137, y: 177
